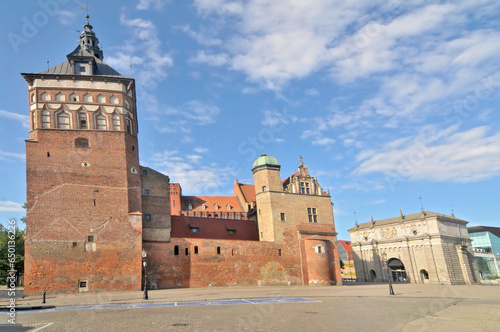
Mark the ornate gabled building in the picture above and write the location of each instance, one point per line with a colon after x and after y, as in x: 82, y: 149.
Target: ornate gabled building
x: 92, y: 209
x: 425, y: 247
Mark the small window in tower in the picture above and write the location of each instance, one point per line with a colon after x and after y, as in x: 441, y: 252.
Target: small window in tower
x: 190, y: 206
x: 45, y: 119
x: 127, y: 105
x: 73, y: 97
x: 282, y: 216
x: 87, y: 98
x: 113, y: 100
x: 279, y: 252
x: 60, y: 97
x: 63, y: 120
x: 218, y: 250
x: 196, y: 250
x: 82, y: 69
x: 147, y: 217
x: 319, y: 249
x: 81, y: 143
x: 144, y: 172
x: 45, y: 96
x: 100, y: 122
x: 116, y: 122
x: 176, y: 250
x: 129, y: 127
x: 101, y: 99
x: 82, y: 120
x: 264, y: 188
x: 82, y: 284
x: 146, y: 192
x: 90, y: 238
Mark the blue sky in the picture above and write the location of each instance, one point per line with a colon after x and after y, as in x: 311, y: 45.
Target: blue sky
x: 387, y: 101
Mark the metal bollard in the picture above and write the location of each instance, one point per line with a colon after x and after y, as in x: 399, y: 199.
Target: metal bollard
x: 43, y: 301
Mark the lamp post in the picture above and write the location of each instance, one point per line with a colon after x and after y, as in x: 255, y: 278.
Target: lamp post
x: 384, y: 256
x: 145, y: 264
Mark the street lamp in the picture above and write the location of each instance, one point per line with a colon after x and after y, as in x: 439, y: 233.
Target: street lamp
x: 384, y: 256
x: 145, y: 264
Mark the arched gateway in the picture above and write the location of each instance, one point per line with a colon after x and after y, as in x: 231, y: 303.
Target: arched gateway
x: 397, y: 270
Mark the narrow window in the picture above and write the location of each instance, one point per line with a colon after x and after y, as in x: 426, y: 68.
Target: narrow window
x: 176, y: 250
x: 100, y: 122
x: 190, y: 206
x: 48, y: 154
x: 279, y: 252
x: 218, y: 250
x: 45, y: 119
x: 282, y: 216
x: 90, y: 238
x: 63, y: 120
x: 187, y: 251
x: 82, y: 120
x: 264, y: 188
x: 146, y: 192
x: 129, y: 127
x: 232, y: 252
x: 147, y: 217
x: 144, y: 172
x: 196, y: 250
x: 116, y: 122
x: 94, y: 202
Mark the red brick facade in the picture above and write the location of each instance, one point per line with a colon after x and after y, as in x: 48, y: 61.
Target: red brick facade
x: 91, y: 209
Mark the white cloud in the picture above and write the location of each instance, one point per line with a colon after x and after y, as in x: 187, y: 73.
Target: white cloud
x: 201, y: 113
x: 146, y: 4
x: 10, y: 206
x: 466, y: 156
x: 23, y: 119
x: 210, y: 59
x: 143, y: 50
x: 199, y: 179
x: 311, y: 92
x: 201, y: 38
x: 273, y: 118
x: 11, y: 156
x: 66, y: 17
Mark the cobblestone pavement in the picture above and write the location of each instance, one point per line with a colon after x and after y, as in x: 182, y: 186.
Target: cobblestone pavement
x: 363, y: 307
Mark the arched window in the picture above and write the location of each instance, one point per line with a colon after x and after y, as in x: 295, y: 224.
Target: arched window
x: 100, y: 122
x: 73, y: 97
x: 45, y: 96
x: 33, y: 120
x: 116, y: 122
x: 60, y: 97
x: 88, y: 98
x: 113, y: 100
x: 82, y: 120
x: 45, y: 119
x: 33, y: 98
x: 63, y: 120
x: 101, y: 99
x: 81, y: 143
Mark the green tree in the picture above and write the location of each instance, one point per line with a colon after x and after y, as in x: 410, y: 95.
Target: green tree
x: 17, y: 249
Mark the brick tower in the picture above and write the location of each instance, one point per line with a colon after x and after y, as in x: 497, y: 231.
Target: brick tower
x: 84, y: 221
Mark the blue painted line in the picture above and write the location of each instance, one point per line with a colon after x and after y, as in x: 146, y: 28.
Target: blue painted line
x: 172, y: 304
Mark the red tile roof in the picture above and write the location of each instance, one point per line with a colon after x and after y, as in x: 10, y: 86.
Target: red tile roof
x: 286, y: 181
x: 210, y: 201
x: 249, y: 191
x: 346, y: 245
x: 211, y: 228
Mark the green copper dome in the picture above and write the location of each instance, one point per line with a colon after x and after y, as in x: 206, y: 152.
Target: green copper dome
x: 265, y: 161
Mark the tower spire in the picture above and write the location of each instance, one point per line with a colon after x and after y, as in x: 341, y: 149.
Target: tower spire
x: 89, y: 41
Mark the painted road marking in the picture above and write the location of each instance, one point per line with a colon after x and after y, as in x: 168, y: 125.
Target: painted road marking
x: 172, y: 304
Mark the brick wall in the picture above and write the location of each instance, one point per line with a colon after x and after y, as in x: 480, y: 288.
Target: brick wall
x: 74, y: 193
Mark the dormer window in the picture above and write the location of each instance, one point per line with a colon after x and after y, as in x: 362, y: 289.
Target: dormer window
x: 190, y: 206
x: 216, y: 207
x: 203, y: 207
x: 228, y: 207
